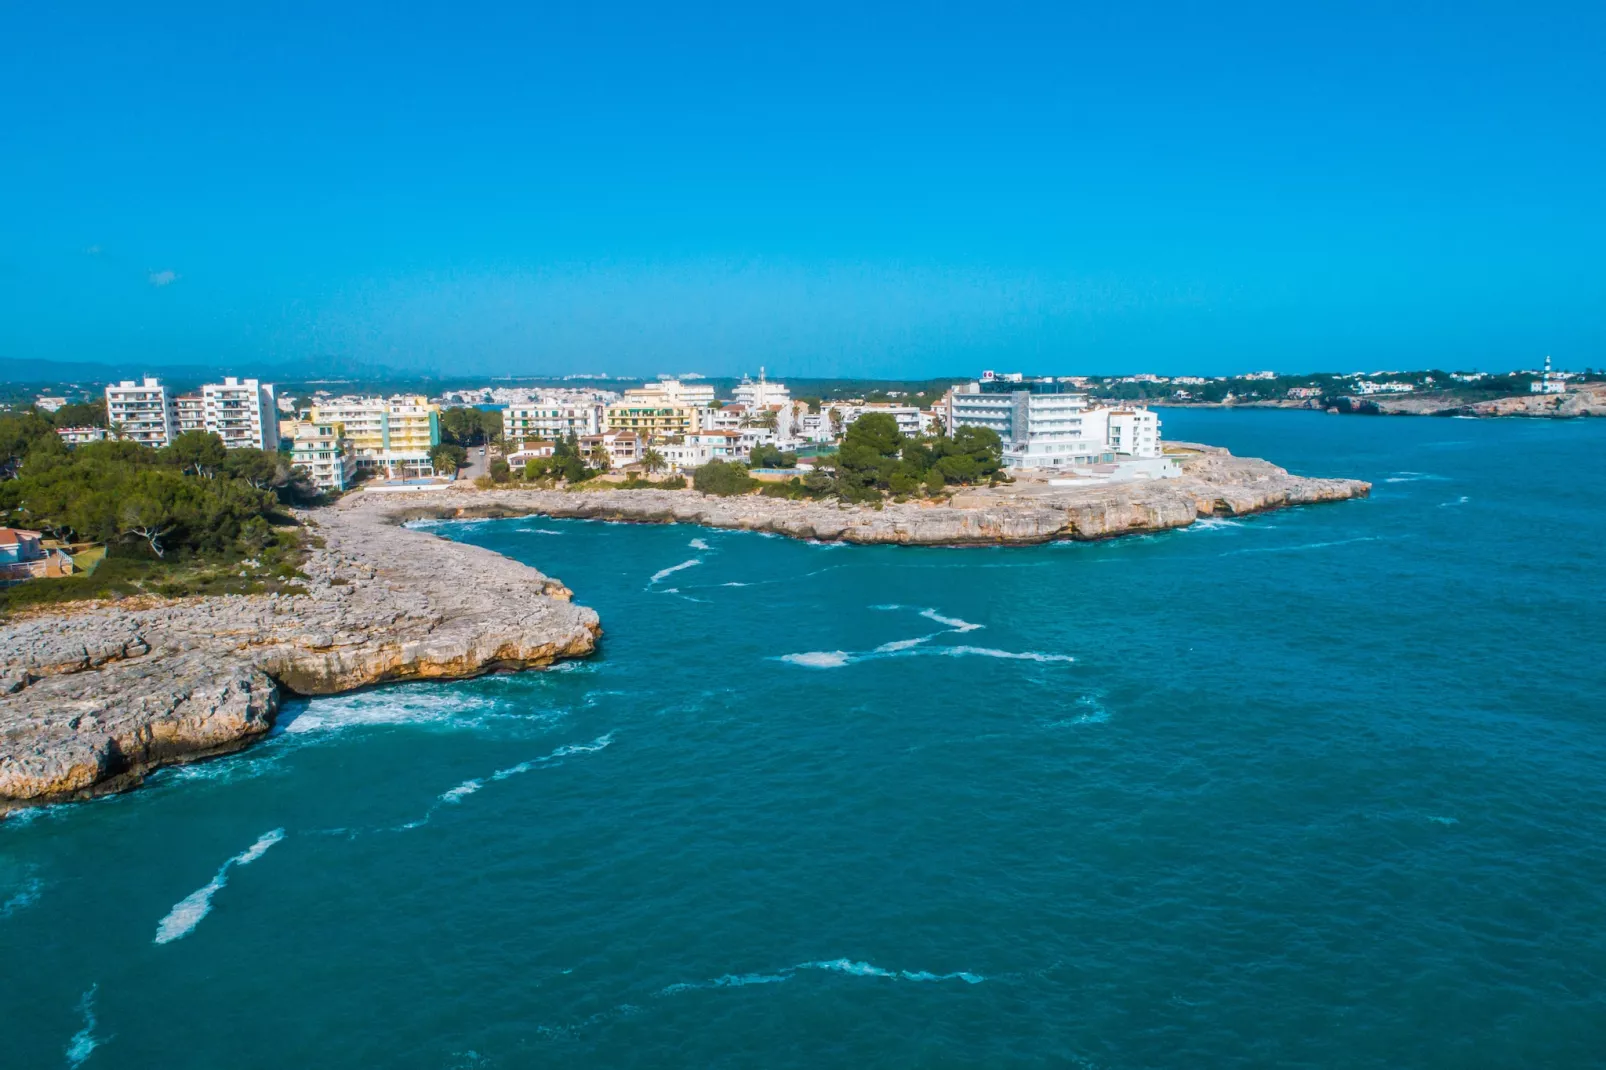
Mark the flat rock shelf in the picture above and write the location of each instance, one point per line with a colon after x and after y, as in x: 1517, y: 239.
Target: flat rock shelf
x: 93, y: 697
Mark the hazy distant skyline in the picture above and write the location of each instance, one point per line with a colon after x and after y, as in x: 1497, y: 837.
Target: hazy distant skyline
x: 890, y: 192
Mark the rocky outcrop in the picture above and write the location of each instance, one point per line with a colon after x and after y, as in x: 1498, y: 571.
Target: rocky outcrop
x: 1588, y: 399
x: 94, y: 697
x: 1032, y: 510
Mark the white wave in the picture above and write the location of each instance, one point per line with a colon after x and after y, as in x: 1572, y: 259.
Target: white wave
x: 952, y: 622
x: 887, y: 607
x: 903, y: 644
x: 188, y: 912
x: 84, y: 1042
x: 663, y: 573
x: 456, y: 795
x: 540, y: 531
x: 989, y: 652
x: 411, y: 705
x: 1213, y: 523
x: 819, y: 659
x: 698, y: 544
x: 1459, y: 501
x: 26, y: 897
x: 736, y: 583
x: 1443, y: 820
x: 865, y: 969
x: 1301, y: 546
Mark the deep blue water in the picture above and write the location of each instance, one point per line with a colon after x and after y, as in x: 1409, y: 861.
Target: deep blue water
x: 1319, y: 788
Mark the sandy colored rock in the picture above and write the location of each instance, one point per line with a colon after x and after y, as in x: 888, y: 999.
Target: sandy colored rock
x: 93, y: 697
x: 1213, y: 483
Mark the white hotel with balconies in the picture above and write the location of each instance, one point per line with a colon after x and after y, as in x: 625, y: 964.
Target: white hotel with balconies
x: 1046, y: 423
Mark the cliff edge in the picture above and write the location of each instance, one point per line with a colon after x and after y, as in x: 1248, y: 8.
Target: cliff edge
x: 94, y: 697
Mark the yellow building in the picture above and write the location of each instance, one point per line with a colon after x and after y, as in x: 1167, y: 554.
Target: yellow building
x: 666, y: 407
x: 395, y: 434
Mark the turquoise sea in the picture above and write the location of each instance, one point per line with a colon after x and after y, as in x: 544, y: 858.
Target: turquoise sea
x: 1322, y: 788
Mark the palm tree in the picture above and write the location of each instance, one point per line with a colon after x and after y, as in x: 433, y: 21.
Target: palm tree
x: 600, y: 458
x: 654, y: 462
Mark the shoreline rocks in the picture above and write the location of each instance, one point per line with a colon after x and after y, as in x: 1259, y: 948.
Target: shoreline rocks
x: 93, y: 697
x: 1213, y: 483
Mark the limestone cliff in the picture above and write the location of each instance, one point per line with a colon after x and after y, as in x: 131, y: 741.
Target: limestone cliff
x: 94, y: 697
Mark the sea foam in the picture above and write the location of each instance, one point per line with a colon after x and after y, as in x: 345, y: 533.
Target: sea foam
x: 698, y: 544
x: 27, y: 896
x: 84, y: 1042
x: 664, y: 573
x: 188, y: 912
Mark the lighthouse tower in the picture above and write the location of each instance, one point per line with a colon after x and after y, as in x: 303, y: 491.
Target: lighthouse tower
x: 1549, y: 383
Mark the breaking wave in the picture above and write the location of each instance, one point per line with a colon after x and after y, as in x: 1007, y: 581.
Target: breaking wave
x: 188, y: 912
x: 1459, y: 501
x: 835, y: 659
x: 664, y: 573
x: 698, y: 544
x: 1412, y: 477
x: 469, y: 787
x: 954, y: 623
x: 412, y: 705
x: 1091, y: 711
x: 84, y: 1042
x: 1212, y: 523
x: 819, y: 659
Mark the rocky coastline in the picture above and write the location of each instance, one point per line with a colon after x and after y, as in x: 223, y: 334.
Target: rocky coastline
x: 1583, y: 401
x: 1032, y: 510
x: 95, y: 696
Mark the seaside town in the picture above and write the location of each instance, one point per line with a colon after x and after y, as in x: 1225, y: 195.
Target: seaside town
x: 859, y: 443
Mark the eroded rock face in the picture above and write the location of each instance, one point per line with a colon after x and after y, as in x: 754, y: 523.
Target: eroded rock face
x: 1214, y: 483
x: 94, y: 697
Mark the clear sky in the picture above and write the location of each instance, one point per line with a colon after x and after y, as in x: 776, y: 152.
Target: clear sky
x: 852, y: 189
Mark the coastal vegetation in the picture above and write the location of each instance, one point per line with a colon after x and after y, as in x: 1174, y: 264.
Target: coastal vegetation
x: 189, y: 518
x: 875, y: 460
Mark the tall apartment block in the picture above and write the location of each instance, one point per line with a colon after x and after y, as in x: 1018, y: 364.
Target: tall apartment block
x: 242, y: 412
x: 142, y: 412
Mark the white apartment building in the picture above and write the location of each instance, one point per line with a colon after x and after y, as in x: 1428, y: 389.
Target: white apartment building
x: 326, y: 455
x: 761, y: 394
x: 242, y: 412
x: 142, y: 411
x: 907, y: 417
x: 189, y: 413
x: 77, y: 436
x: 667, y: 391
x: 49, y: 403
x: 551, y: 418
x: 239, y: 411
x: 1042, y: 424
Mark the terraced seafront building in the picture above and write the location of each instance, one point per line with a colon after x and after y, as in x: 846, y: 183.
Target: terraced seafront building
x: 394, y: 434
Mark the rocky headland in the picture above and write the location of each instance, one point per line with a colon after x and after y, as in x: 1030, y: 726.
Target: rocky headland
x: 94, y: 696
x: 1586, y: 400
x: 1031, y: 510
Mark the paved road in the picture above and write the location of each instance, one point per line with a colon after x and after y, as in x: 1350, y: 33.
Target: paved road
x: 477, y: 464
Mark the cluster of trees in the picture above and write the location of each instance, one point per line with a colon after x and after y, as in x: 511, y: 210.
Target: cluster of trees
x: 468, y: 426
x: 566, y: 463
x: 191, y: 498
x: 875, y: 460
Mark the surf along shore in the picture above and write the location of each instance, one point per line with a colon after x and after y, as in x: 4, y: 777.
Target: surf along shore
x: 95, y: 696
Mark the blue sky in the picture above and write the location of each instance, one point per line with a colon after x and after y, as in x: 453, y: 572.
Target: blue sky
x: 824, y: 189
